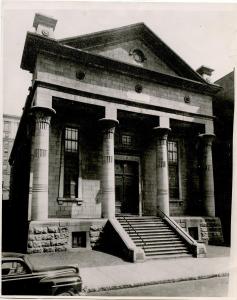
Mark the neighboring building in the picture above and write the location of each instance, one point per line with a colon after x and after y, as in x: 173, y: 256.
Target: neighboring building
x: 10, y: 125
x: 117, y: 129
x: 223, y: 110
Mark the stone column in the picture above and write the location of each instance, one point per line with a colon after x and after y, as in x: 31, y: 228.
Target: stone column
x: 107, y: 172
x: 207, y: 174
x: 41, y: 163
x: 162, y: 177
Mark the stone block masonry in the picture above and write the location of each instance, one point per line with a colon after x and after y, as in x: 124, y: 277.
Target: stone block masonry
x: 56, y: 235
x: 47, y: 238
x: 208, y: 229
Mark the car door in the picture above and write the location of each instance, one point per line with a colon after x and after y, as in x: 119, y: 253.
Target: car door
x: 17, y: 278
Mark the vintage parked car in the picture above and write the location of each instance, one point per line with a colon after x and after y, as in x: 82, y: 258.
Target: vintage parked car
x: 20, y: 277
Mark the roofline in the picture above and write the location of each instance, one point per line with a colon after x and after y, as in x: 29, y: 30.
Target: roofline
x: 139, y: 26
x: 11, y: 116
x: 228, y: 74
x: 35, y: 43
x: 101, y: 32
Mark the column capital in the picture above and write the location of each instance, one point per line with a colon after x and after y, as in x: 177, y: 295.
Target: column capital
x: 207, y: 138
x: 41, y: 111
x: 161, y: 132
x: 108, y: 123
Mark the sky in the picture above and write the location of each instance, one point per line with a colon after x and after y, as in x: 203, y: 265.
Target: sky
x: 202, y: 34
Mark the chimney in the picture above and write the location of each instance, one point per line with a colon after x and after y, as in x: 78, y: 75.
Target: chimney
x: 205, y: 72
x: 44, y: 25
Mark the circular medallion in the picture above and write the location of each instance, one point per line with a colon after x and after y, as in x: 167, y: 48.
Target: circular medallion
x: 187, y: 99
x: 138, y: 55
x: 45, y: 32
x: 138, y: 88
x: 80, y: 75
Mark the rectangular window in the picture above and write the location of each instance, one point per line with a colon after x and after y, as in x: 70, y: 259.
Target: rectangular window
x: 173, y: 169
x: 126, y: 140
x: 7, y: 126
x: 71, y: 163
x: 78, y: 239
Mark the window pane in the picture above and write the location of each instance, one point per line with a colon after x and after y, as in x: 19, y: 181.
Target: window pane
x: 73, y: 137
x: 173, y: 169
x: 6, y: 125
x: 175, y: 157
x: 71, y: 163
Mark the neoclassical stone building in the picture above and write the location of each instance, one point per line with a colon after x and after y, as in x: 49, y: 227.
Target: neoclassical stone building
x: 114, y: 147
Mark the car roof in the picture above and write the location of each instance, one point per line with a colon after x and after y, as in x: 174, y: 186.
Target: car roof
x: 12, y: 254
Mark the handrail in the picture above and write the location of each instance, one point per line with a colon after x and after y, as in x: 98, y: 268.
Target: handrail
x: 178, y: 227
x: 144, y: 243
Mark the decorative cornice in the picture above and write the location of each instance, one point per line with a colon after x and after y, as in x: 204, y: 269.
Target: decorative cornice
x: 35, y: 44
x: 73, y: 91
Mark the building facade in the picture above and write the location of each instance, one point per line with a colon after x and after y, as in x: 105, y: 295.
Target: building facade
x: 223, y: 109
x: 10, y: 125
x: 116, y: 128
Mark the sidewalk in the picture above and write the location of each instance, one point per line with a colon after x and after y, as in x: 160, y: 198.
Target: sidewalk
x: 101, y: 271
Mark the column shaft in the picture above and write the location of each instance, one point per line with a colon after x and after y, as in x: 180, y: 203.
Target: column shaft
x: 162, y: 169
x: 207, y: 175
x: 107, y: 174
x: 41, y: 164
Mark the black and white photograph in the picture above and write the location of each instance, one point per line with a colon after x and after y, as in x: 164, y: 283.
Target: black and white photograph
x: 117, y: 149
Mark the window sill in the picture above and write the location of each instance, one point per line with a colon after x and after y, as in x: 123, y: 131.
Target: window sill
x: 176, y: 200
x: 73, y: 200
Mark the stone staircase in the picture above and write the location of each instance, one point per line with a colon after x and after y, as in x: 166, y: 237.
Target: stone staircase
x: 154, y: 236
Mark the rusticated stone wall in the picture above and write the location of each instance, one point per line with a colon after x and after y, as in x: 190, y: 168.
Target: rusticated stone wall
x: 209, y: 228
x: 96, y: 235
x: 51, y: 238
x: 56, y: 235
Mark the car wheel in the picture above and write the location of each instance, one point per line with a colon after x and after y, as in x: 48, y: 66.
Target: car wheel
x: 66, y: 293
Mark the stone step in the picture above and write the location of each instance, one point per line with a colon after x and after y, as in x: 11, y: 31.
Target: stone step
x: 176, y: 255
x: 158, y: 243
x: 145, y: 225
x: 154, y: 236
x: 164, y: 251
x: 152, y: 233
x: 150, y: 229
x: 139, y: 219
x: 154, y: 239
x: 164, y: 247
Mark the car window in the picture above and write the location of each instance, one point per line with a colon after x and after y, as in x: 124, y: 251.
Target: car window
x: 13, y: 268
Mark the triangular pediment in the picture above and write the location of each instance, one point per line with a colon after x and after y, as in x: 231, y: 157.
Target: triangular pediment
x: 134, y: 44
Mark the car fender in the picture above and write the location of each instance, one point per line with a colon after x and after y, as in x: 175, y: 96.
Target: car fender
x: 65, y: 280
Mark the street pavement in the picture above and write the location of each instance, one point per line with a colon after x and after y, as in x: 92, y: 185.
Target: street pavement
x: 101, y: 271
x: 211, y: 287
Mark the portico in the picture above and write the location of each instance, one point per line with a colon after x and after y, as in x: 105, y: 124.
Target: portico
x: 113, y: 138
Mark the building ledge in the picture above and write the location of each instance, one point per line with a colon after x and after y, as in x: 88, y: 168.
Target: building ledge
x: 61, y: 200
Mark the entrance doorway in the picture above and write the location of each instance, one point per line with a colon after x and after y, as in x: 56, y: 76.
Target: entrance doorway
x: 127, y: 187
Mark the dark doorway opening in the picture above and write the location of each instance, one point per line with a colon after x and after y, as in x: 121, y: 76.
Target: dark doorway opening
x: 127, y: 187
x: 193, y: 231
